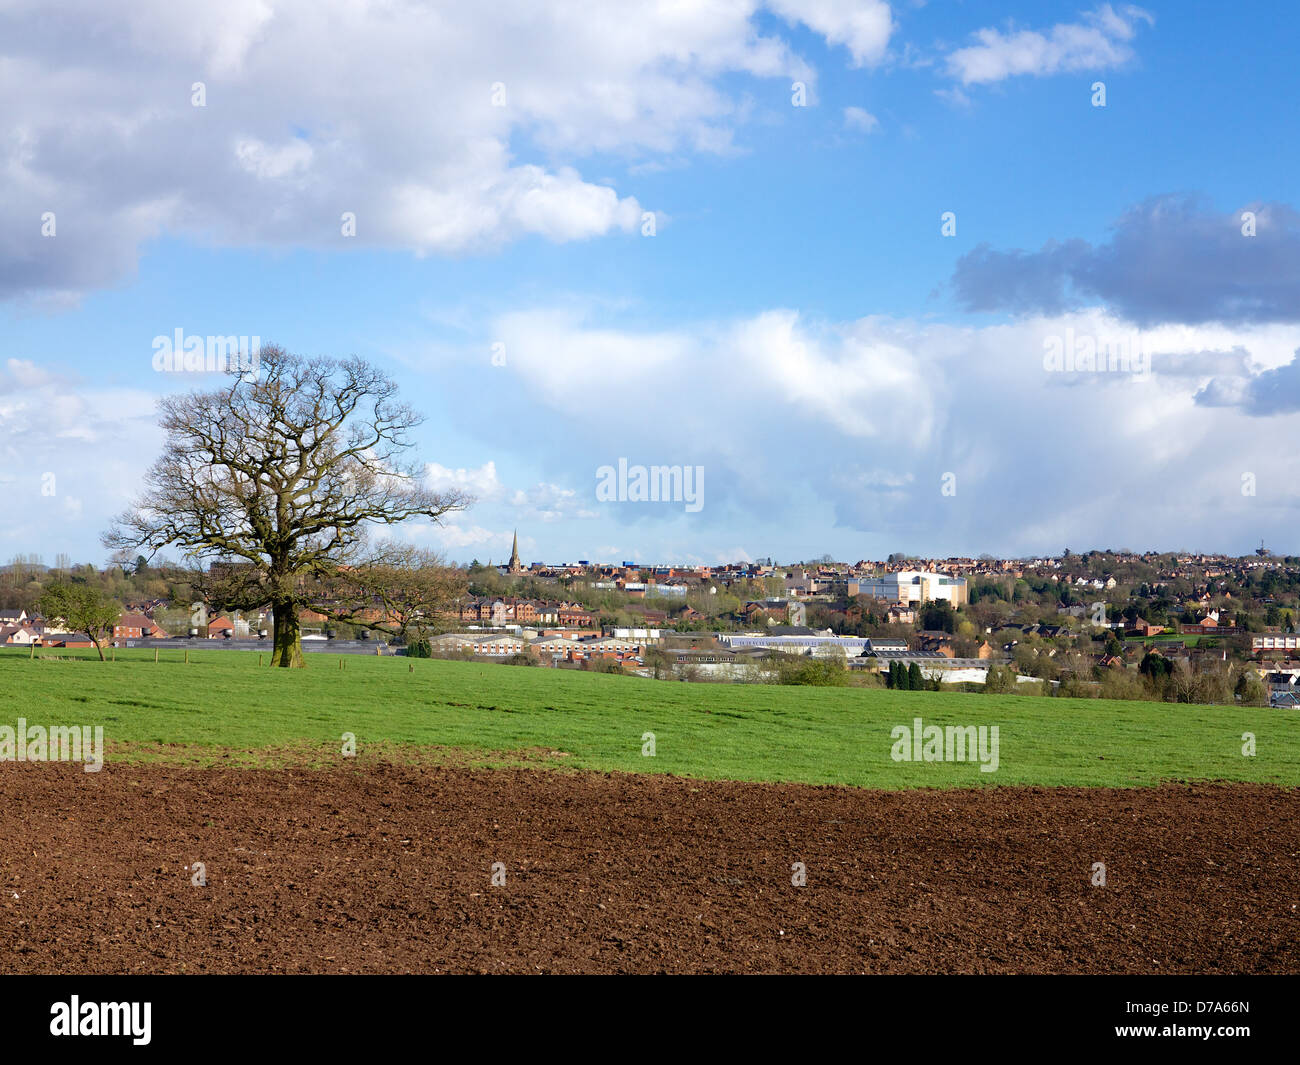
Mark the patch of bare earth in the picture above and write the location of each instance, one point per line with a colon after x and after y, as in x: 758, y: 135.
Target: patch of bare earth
x: 381, y: 867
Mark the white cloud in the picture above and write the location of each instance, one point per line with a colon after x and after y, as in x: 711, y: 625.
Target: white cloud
x: 552, y: 502
x: 271, y: 164
x: 75, y: 453
x: 314, y: 108
x: 805, y: 425
x: 859, y: 119
x: 453, y: 537
x: 480, y: 482
x: 1099, y: 42
x: 862, y: 26
x: 26, y: 374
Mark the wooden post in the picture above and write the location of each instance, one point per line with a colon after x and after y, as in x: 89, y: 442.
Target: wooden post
x: 187, y: 656
x: 33, y: 654
x: 340, y: 663
x: 113, y: 658
x: 410, y: 667
x: 155, y: 656
x: 259, y: 660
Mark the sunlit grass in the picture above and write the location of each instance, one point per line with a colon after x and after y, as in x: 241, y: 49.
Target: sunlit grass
x: 223, y: 701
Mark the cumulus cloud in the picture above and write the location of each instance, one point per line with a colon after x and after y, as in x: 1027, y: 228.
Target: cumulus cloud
x: 837, y: 430
x: 408, y: 116
x: 72, y: 450
x: 1099, y: 42
x: 1169, y: 259
x: 451, y: 536
x: 480, y: 482
x: 813, y: 434
x: 861, y: 120
x: 25, y: 374
x: 552, y: 502
x: 861, y: 26
x: 1235, y: 362
x: 1269, y: 392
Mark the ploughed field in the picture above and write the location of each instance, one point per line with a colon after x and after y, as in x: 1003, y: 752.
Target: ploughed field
x: 376, y: 866
x: 505, y: 819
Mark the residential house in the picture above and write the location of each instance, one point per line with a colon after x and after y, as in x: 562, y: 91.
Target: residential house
x: 135, y: 627
x: 19, y: 635
x: 220, y: 628
x: 68, y: 639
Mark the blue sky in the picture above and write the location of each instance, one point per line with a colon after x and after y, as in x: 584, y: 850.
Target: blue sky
x: 797, y: 325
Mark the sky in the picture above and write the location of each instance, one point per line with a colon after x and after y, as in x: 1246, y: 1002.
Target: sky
x: 853, y: 262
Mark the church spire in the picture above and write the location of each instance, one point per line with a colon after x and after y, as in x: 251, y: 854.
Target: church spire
x: 515, y: 565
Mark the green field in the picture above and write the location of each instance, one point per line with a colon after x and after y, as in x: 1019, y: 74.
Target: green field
x: 222, y: 703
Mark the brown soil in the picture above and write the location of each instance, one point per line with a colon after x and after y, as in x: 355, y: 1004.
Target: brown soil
x: 388, y: 868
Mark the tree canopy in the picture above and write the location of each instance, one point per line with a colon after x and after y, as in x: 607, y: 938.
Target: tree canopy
x: 276, y: 482
x: 81, y: 608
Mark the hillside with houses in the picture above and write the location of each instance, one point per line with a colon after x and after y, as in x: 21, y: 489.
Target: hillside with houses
x: 1178, y: 626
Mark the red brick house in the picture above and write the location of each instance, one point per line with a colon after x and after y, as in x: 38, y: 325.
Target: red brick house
x: 135, y: 627
x: 68, y: 639
x: 576, y: 617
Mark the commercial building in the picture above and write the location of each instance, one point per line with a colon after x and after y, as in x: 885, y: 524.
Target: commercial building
x: 1273, y: 643
x: 915, y: 586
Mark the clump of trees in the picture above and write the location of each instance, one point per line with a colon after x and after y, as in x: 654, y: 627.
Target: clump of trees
x: 1000, y: 680
x: 817, y: 671
x: 24, y: 579
x: 906, y: 678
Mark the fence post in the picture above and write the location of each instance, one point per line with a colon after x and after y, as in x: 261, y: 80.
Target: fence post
x: 155, y: 656
x: 187, y: 656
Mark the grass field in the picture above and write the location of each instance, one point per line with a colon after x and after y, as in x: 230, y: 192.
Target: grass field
x: 221, y: 705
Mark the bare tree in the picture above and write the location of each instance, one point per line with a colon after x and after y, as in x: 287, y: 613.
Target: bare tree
x: 276, y: 481
x: 400, y: 589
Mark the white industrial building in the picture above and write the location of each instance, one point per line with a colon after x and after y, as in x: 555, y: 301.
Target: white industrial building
x: 915, y: 586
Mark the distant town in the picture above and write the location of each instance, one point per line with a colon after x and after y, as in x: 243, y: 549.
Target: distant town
x: 1181, y: 627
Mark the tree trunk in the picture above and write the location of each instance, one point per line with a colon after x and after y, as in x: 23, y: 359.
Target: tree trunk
x: 287, y: 651
x: 98, y: 648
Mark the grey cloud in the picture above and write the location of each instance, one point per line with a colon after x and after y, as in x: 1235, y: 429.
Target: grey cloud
x: 1275, y: 391
x: 1169, y: 259
x: 1232, y: 363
